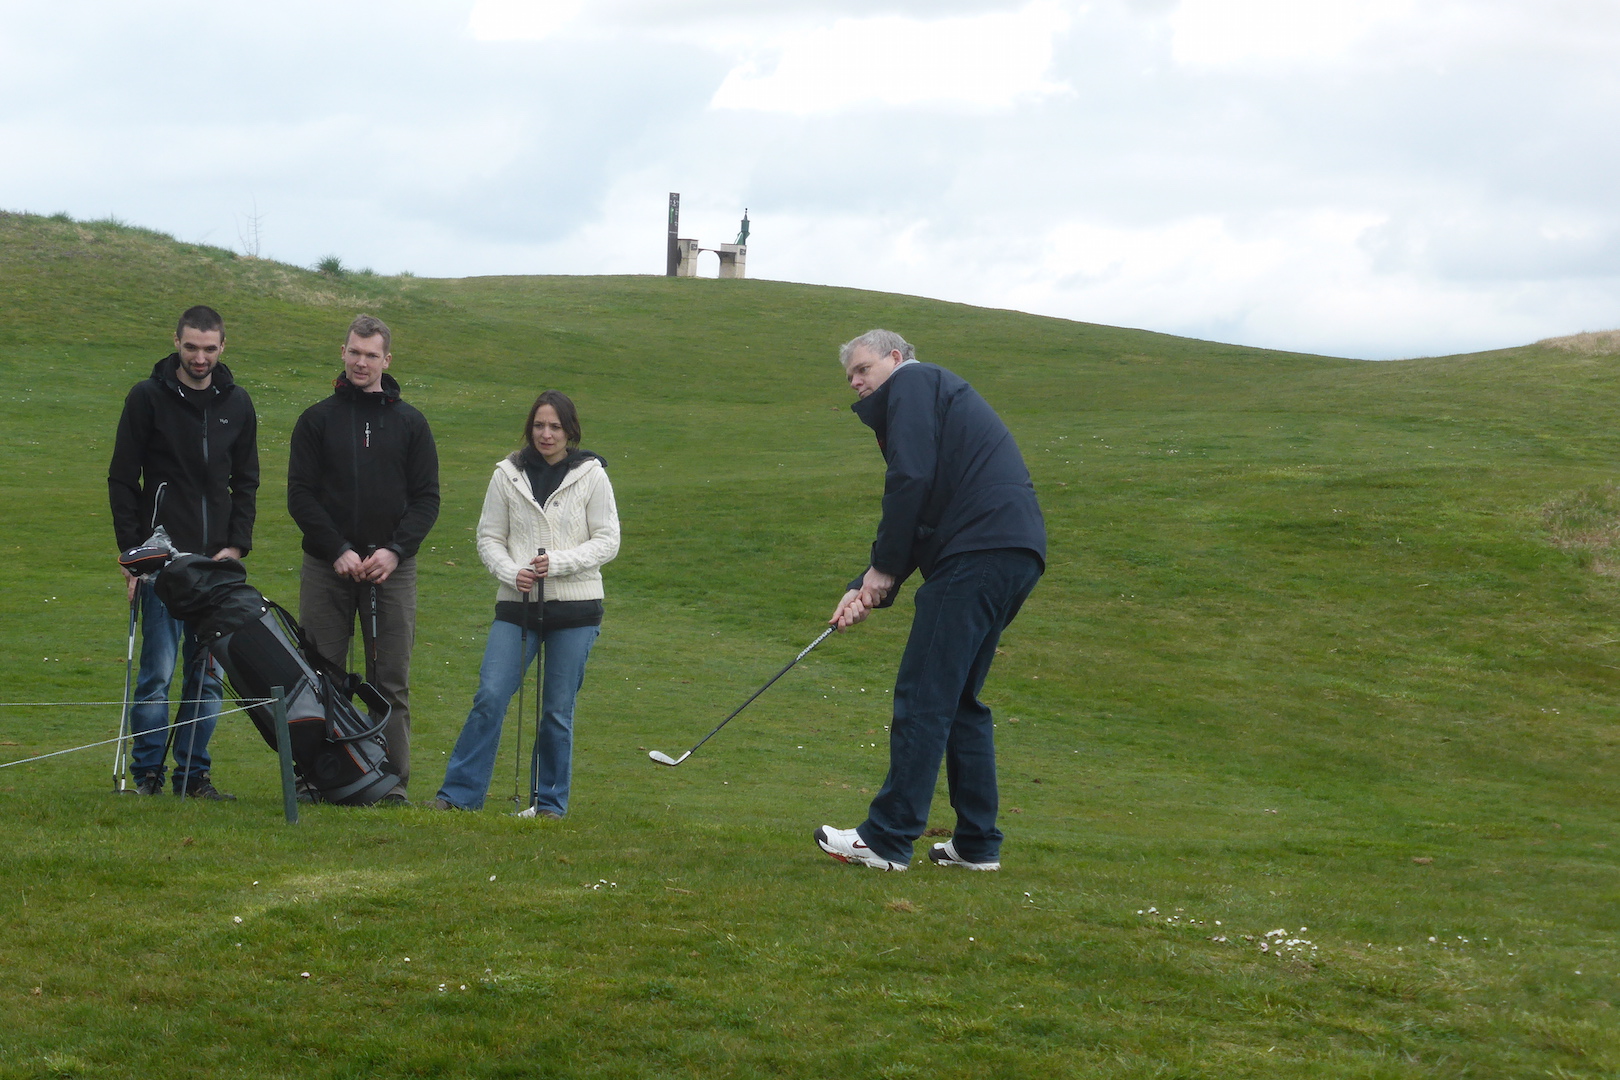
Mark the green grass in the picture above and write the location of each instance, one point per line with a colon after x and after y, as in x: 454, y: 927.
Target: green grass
x: 1322, y: 644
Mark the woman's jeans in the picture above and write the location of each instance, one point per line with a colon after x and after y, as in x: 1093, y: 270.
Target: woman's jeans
x: 506, y: 660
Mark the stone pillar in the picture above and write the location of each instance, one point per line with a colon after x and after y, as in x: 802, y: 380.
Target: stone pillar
x: 733, y: 260
x: 687, y: 250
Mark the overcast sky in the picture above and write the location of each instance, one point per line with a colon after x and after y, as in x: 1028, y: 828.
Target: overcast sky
x: 1375, y: 178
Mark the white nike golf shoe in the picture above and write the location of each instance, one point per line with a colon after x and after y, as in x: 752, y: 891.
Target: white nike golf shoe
x: 846, y: 845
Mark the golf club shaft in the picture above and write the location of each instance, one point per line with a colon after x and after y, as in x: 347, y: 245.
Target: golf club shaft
x: 523, y: 656
x: 539, y: 659
x: 523, y: 676
x: 761, y: 690
x: 120, y: 765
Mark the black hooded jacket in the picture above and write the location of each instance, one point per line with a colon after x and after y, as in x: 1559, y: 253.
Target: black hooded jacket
x: 363, y: 473
x: 200, y: 451
x: 955, y: 482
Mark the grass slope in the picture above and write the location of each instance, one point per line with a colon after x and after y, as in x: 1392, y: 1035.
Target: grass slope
x: 1323, y: 648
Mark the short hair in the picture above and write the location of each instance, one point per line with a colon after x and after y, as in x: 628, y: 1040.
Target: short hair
x: 567, y: 415
x: 202, y: 318
x: 365, y: 326
x: 878, y: 343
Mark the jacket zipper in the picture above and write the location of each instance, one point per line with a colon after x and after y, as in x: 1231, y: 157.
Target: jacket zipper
x: 354, y: 443
x: 205, y: 478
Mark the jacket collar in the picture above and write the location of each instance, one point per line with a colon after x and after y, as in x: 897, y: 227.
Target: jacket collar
x: 167, y: 372
x: 342, y: 387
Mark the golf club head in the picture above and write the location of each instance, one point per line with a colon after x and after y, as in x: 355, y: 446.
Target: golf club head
x: 141, y: 561
x: 664, y: 759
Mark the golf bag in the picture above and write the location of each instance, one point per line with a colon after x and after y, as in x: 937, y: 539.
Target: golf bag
x: 336, y: 749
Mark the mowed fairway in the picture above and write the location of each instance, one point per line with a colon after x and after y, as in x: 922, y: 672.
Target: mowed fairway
x: 1307, y: 658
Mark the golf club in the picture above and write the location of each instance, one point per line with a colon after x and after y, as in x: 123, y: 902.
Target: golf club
x: 517, y: 752
x: 665, y: 759
x: 120, y: 755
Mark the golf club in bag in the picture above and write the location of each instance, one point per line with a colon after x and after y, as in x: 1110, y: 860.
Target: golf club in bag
x: 335, y: 748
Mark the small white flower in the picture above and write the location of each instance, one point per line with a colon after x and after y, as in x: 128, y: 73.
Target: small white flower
x: 464, y: 986
x: 407, y: 959
x: 236, y: 918
x: 304, y: 975
x: 1432, y: 939
x: 441, y: 988
x: 1217, y: 922
x: 492, y: 877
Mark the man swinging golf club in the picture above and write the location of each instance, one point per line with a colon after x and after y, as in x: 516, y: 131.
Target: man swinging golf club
x: 959, y: 506
x: 186, y: 459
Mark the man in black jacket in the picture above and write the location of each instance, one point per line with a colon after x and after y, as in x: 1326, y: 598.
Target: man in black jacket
x: 363, y: 486
x: 959, y: 506
x: 186, y: 458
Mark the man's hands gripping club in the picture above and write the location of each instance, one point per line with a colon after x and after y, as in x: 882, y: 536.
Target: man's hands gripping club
x: 858, y: 603
x: 374, y: 568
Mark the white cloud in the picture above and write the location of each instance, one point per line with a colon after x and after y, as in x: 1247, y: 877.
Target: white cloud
x: 1234, y: 33
x: 522, y: 20
x: 983, y: 62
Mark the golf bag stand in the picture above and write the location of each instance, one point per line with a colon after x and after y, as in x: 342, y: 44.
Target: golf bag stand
x: 336, y: 749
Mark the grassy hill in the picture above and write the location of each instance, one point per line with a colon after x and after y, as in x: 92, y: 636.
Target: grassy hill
x: 1324, y: 646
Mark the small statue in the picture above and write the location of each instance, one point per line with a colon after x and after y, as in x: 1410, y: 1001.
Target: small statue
x: 742, y: 237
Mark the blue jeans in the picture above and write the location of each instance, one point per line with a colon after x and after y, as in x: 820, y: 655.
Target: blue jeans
x: 961, y: 611
x: 161, y: 638
x: 506, y: 660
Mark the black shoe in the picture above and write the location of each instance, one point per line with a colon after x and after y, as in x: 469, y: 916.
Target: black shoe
x: 307, y: 792
x: 201, y: 787
x: 150, y: 784
x: 397, y: 797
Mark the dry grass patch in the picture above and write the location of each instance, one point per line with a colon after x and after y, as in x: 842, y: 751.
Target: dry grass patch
x: 1587, y: 522
x: 1590, y: 343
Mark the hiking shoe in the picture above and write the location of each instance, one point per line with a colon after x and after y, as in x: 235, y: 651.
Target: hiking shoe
x: 150, y: 784
x: 201, y: 787
x: 397, y: 797
x: 441, y: 803
x: 945, y: 855
x: 846, y: 845
x: 537, y: 812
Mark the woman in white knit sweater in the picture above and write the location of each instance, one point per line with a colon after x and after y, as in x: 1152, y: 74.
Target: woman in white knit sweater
x: 549, y: 519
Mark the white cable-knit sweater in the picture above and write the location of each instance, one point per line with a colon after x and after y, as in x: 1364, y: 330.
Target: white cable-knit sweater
x: 578, y: 527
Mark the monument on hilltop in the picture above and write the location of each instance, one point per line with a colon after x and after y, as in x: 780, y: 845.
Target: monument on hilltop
x: 681, y: 253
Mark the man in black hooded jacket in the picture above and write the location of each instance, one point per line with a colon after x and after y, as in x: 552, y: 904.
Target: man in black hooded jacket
x: 186, y: 458
x: 959, y: 506
x: 363, y: 486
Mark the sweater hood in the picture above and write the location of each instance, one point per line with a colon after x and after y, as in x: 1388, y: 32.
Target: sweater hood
x: 344, y: 388
x: 576, y: 457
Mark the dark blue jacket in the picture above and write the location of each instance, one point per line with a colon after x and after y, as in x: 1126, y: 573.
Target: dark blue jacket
x: 956, y: 481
